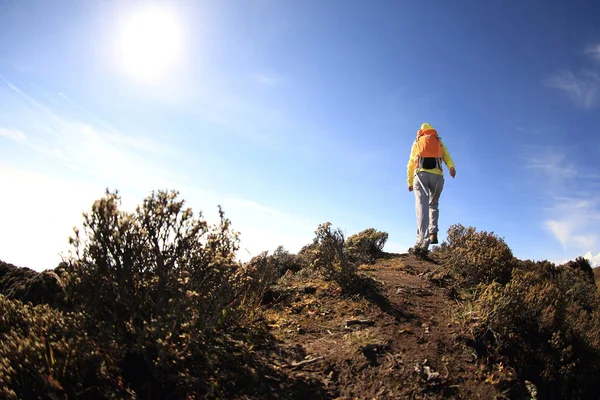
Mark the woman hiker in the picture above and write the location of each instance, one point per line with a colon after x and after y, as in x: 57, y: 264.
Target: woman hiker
x: 426, y: 179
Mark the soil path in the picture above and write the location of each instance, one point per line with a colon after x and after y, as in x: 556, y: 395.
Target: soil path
x: 400, y: 341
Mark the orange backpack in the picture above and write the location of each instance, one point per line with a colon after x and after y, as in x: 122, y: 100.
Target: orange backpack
x: 429, y: 149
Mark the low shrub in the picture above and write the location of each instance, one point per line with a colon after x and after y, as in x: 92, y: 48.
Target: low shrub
x: 578, y: 288
x: 163, y: 284
x: 583, y: 266
x: 308, y: 253
x: 45, y: 353
x: 331, y: 257
x: 161, y: 260
x: 540, y: 325
x: 477, y: 257
x: 367, y: 245
x: 28, y: 285
x: 284, y: 261
x: 260, y: 273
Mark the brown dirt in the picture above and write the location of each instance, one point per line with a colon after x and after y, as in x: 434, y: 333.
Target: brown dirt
x: 398, y: 339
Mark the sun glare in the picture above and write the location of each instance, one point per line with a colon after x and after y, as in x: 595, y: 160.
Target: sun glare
x: 150, y: 44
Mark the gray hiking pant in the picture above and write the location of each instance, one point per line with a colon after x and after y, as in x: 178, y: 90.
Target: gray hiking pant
x: 428, y: 188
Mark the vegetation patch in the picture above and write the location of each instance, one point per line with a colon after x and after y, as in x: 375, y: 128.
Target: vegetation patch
x: 153, y: 304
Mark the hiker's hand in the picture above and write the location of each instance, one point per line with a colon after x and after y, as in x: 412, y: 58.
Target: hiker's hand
x: 452, y: 172
x: 410, y: 188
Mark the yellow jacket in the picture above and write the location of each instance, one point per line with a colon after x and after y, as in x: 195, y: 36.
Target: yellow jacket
x: 412, y: 163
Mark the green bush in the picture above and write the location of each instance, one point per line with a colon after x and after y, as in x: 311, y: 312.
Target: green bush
x: 283, y: 261
x: 308, y: 253
x: 15, y: 281
x: 161, y: 260
x: 45, y: 353
x: 478, y: 257
x: 367, y: 245
x: 160, y: 282
x: 541, y: 326
x: 583, y: 267
x: 28, y: 285
x: 577, y: 285
x: 260, y: 273
x: 331, y: 257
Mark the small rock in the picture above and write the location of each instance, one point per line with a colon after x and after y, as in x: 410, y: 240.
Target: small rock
x: 431, y: 374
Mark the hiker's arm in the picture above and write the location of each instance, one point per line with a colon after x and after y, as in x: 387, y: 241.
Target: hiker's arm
x: 448, y: 160
x: 410, y: 167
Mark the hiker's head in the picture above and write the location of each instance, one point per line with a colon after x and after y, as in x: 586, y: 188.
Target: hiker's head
x: 426, y: 129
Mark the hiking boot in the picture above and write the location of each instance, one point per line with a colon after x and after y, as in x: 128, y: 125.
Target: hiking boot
x: 433, y: 238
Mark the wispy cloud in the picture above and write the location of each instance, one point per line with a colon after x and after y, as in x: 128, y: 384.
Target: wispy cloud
x: 583, y: 88
x: 70, y: 163
x: 589, y: 241
x: 593, y: 52
x: 570, y: 202
x: 102, y: 152
x: 594, y: 260
x: 574, y: 224
x: 86, y: 155
x: 537, y: 130
x: 561, y: 229
x: 268, y: 80
x: 573, y: 219
x: 13, y: 134
x: 552, y: 162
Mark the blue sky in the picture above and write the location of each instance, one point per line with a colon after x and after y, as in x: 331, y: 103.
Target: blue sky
x: 293, y: 113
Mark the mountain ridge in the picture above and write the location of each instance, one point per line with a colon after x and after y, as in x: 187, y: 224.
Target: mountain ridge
x: 406, y: 336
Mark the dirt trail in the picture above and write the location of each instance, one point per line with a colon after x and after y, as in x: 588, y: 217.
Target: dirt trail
x: 400, y: 341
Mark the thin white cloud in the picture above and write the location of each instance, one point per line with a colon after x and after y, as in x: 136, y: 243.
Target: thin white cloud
x: 82, y: 147
x: 583, y: 88
x: 562, y: 230
x: 574, y: 223
x: 13, y: 134
x: 588, y: 241
x: 594, y: 260
x: 41, y: 108
x: 86, y: 155
x: 113, y: 134
x: 551, y: 161
x: 266, y: 80
x: 72, y: 164
x: 104, y: 153
x: 544, y: 129
x: 570, y: 203
x: 593, y: 52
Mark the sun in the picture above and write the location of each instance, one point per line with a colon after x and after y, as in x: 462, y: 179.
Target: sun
x: 149, y: 43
